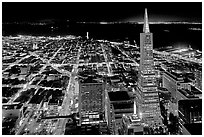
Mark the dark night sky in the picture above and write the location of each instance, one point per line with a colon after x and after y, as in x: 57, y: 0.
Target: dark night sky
x: 120, y: 11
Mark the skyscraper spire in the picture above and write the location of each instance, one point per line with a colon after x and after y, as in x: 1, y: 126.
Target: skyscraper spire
x: 146, y: 23
x: 147, y: 98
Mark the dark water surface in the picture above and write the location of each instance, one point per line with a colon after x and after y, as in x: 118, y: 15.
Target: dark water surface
x: 163, y: 34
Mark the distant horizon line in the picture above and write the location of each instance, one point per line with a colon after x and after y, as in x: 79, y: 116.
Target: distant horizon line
x: 105, y: 22
x: 150, y: 22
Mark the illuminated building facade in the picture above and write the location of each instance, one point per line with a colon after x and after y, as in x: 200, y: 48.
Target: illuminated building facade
x: 147, y: 106
x: 91, y: 102
x: 171, y: 81
x: 198, y: 78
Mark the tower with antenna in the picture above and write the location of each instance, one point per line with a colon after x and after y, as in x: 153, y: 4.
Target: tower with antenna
x: 87, y: 35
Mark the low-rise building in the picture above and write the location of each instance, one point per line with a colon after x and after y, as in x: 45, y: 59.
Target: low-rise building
x: 132, y: 125
x: 122, y: 104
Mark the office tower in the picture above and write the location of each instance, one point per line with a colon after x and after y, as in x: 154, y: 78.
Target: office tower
x: 91, y: 101
x: 171, y: 81
x: 147, y: 98
x: 190, y: 116
x: 109, y: 113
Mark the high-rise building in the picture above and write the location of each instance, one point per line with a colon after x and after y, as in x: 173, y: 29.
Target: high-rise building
x: 179, y: 87
x: 171, y: 81
x: 147, y: 98
x: 198, y: 78
x: 91, y: 101
x: 109, y: 113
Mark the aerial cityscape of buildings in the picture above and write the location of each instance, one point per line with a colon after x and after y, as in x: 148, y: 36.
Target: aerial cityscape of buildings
x: 74, y: 85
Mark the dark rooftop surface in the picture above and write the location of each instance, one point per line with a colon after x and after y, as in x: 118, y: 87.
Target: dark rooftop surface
x: 186, y: 93
x: 36, y: 99
x: 11, y: 106
x: 175, y: 76
x: 195, y: 90
x: 115, y: 77
x: 191, y: 105
x: 123, y: 106
x: 162, y: 89
x: 189, y: 93
x: 53, y: 101
x: 194, y: 129
x: 90, y: 80
x: 186, y: 81
x: 118, y: 96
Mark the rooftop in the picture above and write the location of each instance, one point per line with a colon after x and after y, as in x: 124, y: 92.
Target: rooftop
x: 186, y: 81
x: 132, y: 119
x: 194, y: 129
x: 12, y: 106
x: 118, y: 96
x: 91, y: 79
x: 186, y: 93
x: 162, y: 89
x: 191, y: 104
x: 195, y: 90
x: 123, y: 106
x: 175, y: 76
x: 190, y: 93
